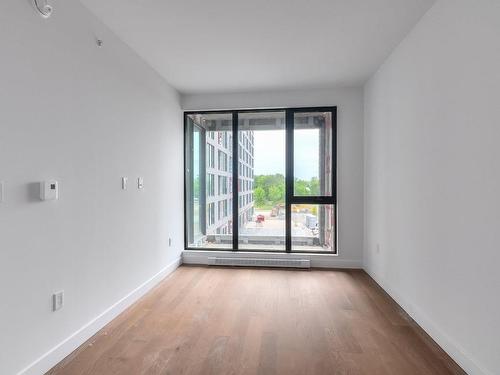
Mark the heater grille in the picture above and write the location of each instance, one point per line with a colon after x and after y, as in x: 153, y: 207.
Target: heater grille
x: 257, y: 262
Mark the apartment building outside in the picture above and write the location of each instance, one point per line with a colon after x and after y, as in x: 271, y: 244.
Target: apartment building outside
x: 246, y: 142
x: 219, y: 164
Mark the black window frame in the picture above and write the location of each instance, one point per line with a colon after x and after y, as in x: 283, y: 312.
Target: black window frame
x: 290, y: 198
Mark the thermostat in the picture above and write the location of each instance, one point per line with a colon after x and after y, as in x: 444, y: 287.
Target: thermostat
x: 49, y: 190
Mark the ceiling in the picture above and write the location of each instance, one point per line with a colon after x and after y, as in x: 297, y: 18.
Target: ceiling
x: 202, y: 46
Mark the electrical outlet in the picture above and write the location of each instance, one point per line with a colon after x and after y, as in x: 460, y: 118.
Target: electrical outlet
x: 57, y: 300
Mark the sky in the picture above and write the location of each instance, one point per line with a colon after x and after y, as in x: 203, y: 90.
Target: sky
x: 270, y: 153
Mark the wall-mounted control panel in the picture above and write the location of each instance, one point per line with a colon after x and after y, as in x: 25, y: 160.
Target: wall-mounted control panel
x: 58, y: 300
x: 49, y: 190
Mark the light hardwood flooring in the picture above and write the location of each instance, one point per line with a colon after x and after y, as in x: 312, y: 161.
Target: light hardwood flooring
x: 222, y: 321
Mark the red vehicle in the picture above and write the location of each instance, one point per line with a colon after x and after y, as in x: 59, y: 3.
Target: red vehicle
x: 260, y: 219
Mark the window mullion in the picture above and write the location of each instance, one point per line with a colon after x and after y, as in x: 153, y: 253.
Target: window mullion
x: 235, y: 181
x: 288, y: 179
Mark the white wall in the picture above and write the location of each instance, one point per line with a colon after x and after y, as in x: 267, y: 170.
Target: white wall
x: 432, y: 178
x: 349, y: 157
x: 85, y: 116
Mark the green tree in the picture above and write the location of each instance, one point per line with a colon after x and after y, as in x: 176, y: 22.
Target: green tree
x: 304, y: 187
x: 270, y: 189
x: 314, y: 186
x: 276, y: 193
x: 273, y: 189
x: 259, y: 196
x: 301, y: 187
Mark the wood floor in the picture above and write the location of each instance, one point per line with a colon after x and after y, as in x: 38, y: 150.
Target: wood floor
x: 259, y: 321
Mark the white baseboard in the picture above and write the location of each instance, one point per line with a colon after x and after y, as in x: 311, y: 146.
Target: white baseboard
x: 66, y: 347
x: 317, y: 260
x: 455, y: 351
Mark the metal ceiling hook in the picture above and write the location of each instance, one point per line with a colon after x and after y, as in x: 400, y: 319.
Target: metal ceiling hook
x: 43, y: 8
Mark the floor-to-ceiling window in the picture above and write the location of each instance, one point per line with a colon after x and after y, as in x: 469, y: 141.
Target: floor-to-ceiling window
x: 208, y: 187
x: 261, y: 180
x: 261, y: 171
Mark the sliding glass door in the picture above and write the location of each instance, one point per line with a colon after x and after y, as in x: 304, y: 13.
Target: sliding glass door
x: 261, y: 180
x: 261, y: 184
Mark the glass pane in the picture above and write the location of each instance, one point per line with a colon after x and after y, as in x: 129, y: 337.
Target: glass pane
x: 196, y: 187
x: 313, y: 227
x: 209, y: 182
x: 312, y: 149
x: 261, y: 183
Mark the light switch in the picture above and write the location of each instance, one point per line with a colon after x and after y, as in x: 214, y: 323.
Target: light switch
x: 1, y: 191
x: 140, y: 183
x: 49, y: 190
x: 124, y: 183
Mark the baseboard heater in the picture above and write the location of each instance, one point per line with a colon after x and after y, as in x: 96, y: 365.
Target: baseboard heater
x: 259, y: 262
